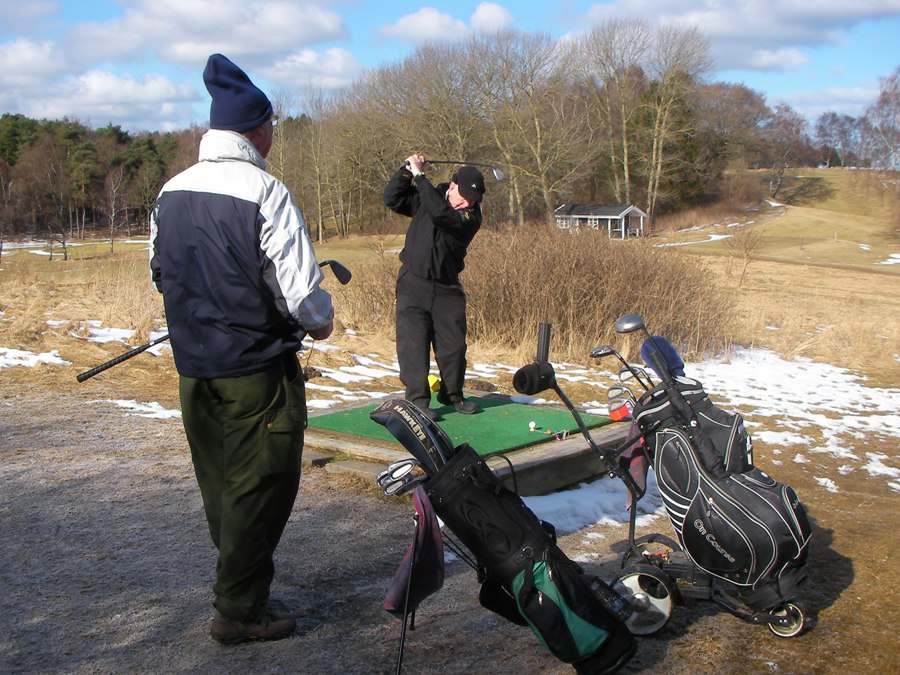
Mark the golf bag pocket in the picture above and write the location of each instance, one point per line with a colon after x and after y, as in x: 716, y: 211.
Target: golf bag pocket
x: 561, y: 610
x: 728, y: 434
x: 491, y: 521
x: 746, y: 528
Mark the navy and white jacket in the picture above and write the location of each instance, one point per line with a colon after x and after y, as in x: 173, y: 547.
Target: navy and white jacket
x: 232, y: 257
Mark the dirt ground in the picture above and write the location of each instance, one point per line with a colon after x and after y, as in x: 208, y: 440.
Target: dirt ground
x: 106, y: 565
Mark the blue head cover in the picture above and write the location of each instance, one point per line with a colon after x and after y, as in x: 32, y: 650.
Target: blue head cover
x: 668, y: 351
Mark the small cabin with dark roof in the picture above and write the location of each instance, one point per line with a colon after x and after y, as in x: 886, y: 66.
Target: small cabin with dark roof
x: 619, y: 220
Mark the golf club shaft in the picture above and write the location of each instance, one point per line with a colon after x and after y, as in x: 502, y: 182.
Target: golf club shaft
x: 498, y: 174
x: 117, y: 360
x: 342, y: 274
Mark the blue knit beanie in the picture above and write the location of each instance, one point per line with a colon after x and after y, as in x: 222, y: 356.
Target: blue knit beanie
x: 237, y: 103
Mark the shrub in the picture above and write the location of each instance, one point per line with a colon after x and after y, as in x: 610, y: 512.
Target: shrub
x: 578, y: 282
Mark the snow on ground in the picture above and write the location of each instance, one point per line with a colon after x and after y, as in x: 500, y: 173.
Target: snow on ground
x: 810, y: 409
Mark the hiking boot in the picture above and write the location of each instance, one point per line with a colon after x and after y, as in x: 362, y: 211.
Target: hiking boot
x: 230, y: 632
x: 463, y: 405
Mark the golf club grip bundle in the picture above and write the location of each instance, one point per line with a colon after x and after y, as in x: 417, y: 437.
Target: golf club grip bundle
x: 524, y: 574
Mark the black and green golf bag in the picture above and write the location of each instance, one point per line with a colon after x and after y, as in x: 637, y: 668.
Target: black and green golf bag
x: 524, y: 575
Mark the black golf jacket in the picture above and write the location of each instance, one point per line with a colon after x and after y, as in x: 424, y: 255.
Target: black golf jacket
x: 438, y: 234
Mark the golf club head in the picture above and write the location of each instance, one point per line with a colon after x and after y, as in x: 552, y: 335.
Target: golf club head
x: 341, y: 273
x: 619, y: 409
x: 618, y: 391
x: 602, y: 351
x: 399, y: 477
x: 629, y: 323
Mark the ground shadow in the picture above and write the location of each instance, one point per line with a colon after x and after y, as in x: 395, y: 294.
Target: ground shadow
x: 806, y: 191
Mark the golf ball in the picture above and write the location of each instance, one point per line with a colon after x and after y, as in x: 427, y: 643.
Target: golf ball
x: 531, y: 426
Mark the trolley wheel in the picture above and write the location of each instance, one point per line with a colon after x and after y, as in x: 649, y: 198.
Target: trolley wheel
x: 651, y: 593
x: 790, y: 620
x: 649, y: 545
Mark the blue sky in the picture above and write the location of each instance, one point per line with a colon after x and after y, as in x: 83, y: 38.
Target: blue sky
x: 138, y: 63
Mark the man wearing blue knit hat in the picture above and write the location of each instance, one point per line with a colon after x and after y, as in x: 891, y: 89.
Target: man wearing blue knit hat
x: 231, y: 255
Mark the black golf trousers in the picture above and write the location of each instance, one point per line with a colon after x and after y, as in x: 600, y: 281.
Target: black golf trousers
x: 430, y: 313
x: 246, y: 439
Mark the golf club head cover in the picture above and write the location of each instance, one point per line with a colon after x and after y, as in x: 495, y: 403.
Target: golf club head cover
x: 421, y: 572
x: 669, y: 354
x: 534, y: 378
x: 424, y: 439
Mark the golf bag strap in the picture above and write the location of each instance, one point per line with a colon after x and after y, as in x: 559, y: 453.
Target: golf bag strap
x: 711, y: 459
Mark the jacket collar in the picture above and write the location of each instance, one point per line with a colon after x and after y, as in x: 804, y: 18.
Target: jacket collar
x: 218, y: 146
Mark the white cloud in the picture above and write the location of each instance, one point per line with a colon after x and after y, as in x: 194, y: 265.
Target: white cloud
x: 17, y: 13
x: 490, y: 17
x: 24, y: 63
x: 188, y: 31
x: 752, y: 33
x: 842, y: 100
x: 331, y: 68
x: 778, y: 59
x: 426, y: 25
x: 99, y: 97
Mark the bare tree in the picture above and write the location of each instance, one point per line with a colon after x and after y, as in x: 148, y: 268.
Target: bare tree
x: 838, y: 136
x: 113, y: 185
x: 677, y: 59
x: 744, y: 244
x: 881, y: 125
x: 611, y: 57
x: 785, y: 135
x: 532, y: 113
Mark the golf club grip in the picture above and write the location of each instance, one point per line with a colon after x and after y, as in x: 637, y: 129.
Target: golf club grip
x: 113, y: 362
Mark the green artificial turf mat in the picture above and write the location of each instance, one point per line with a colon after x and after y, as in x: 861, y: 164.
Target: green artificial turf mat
x: 501, y: 426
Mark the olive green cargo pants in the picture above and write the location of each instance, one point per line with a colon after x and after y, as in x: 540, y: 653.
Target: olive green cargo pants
x: 246, y: 439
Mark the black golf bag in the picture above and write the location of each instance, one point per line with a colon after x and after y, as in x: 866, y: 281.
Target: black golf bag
x: 524, y: 575
x: 732, y: 520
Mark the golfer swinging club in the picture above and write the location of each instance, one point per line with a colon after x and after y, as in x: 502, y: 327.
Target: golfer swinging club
x: 431, y: 303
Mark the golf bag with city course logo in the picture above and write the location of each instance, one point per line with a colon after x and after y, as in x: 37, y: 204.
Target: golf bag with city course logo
x: 524, y: 575
x: 733, y: 520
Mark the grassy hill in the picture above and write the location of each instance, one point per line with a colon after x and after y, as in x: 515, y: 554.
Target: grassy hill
x: 827, y: 217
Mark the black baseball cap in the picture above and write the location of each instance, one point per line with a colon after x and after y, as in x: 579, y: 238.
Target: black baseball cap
x: 470, y: 182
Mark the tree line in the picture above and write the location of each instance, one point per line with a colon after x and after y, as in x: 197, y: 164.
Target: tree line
x: 620, y: 115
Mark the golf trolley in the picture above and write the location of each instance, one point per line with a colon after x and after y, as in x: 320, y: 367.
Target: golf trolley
x: 657, y: 571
